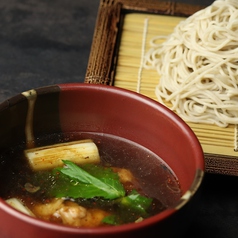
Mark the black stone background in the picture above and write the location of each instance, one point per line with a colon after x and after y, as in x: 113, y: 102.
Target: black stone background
x: 46, y: 42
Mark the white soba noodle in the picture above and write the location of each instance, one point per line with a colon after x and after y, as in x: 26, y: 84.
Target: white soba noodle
x: 198, y: 65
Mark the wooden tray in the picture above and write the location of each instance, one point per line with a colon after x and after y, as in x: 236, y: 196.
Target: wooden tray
x: 121, y: 34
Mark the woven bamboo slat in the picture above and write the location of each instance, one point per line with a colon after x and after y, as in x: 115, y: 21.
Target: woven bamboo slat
x: 137, y: 31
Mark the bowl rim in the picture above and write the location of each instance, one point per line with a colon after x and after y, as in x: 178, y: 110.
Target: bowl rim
x: 125, y: 227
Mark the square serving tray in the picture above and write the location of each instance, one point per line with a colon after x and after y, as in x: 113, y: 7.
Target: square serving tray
x: 122, y: 33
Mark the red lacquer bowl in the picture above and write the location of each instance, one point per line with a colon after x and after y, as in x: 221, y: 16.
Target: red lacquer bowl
x: 96, y: 108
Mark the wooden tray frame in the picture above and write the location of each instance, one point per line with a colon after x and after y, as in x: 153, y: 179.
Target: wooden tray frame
x: 106, y: 42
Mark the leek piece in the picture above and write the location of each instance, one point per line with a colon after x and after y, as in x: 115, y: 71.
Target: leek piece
x: 18, y: 205
x: 49, y: 157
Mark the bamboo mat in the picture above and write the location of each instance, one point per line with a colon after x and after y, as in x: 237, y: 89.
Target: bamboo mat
x: 137, y: 31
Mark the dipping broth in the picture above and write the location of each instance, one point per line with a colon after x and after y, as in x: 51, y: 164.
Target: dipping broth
x: 152, y: 178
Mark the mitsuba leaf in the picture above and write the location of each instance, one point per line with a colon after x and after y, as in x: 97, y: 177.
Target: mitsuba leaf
x: 131, y: 208
x: 136, y: 202
x: 111, y: 220
x: 93, y: 181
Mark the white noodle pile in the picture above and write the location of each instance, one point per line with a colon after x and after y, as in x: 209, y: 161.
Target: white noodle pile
x: 198, y: 65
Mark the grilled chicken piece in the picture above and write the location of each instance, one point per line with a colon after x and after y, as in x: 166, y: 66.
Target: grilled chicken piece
x: 70, y: 213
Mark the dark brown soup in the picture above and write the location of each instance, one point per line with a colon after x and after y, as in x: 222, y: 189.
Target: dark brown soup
x: 151, y: 178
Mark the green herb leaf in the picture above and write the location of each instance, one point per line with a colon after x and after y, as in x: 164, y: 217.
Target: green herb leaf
x: 100, y: 182
x: 111, y: 220
x: 136, y: 202
x: 131, y: 208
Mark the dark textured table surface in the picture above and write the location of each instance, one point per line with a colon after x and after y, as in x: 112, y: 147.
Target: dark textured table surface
x: 48, y: 41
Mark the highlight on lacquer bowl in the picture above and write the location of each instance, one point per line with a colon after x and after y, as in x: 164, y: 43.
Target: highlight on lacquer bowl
x: 84, y: 160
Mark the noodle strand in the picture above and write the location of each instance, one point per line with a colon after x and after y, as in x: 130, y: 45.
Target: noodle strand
x: 198, y: 65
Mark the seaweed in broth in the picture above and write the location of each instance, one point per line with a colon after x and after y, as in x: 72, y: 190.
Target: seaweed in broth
x: 153, y: 178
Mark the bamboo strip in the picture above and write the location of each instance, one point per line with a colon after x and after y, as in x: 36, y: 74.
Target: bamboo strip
x: 214, y: 140
x: 219, y: 150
